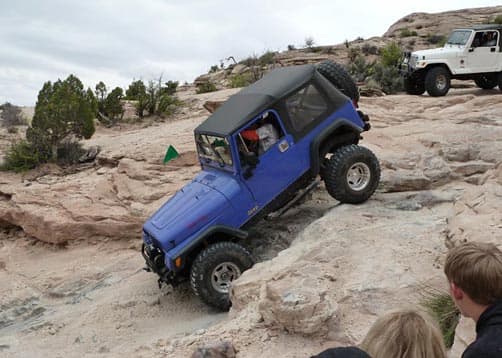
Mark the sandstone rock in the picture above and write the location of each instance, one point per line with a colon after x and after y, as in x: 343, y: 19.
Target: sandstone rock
x: 404, y: 180
x: 239, y: 69
x: 297, y: 309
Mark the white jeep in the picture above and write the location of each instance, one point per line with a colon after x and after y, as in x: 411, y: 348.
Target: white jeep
x: 469, y: 54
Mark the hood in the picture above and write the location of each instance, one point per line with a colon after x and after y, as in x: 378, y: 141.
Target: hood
x: 436, y: 53
x: 193, y: 207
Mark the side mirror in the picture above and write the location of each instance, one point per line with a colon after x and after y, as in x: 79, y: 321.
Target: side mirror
x: 471, y: 49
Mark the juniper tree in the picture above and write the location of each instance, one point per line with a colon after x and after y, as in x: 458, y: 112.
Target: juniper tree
x: 63, y: 109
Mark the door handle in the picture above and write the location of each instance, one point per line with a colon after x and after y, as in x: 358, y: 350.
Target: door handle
x: 492, y: 49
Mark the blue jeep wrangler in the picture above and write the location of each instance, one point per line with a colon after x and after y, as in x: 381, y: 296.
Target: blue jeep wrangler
x: 261, y: 151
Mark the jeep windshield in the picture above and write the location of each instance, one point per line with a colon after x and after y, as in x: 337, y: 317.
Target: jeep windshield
x: 213, y: 149
x: 459, y: 37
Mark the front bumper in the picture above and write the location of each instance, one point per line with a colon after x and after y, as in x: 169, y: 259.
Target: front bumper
x: 154, y: 260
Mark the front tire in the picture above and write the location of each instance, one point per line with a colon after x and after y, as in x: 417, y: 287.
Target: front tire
x: 352, y: 174
x: 340, y: 78
x: 215, y: 268
x: 414, y: 86
x: 486, y: 81
x: 500, y: 80
x: 437, y: 81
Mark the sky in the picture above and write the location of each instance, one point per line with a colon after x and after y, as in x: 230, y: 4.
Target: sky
x: 116, y: 41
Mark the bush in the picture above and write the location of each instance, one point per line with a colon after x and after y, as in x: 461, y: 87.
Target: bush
x: 21, y: 156
x: 113, y: 107
x: 368, y: 49
x: 167, y: 104
x: 69, y: 152
x: 242, y: 80
x: 353, y: 53
x: 391, y: 55
x: 63, y: 109
x: 267, y: 58
x: 442, y: 308
x: 407, y: 33
x: 360, y: 69
x: 291, y: 47
x: 206, y: 87
x: 497, y: 20
x: 437, y: 39
x: 309, y: 42
x: 388, y: 78
x: 11, y: 115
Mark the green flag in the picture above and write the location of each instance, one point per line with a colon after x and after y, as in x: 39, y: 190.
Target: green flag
x: 170, y: 154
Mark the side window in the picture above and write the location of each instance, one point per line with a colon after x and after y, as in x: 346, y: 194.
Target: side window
x: 260, y: 136
x: 305, y: 106
x: 485, y: 39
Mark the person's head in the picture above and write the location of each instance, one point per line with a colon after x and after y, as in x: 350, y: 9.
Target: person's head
x: 342, y: 352
x: 404, y: 334
x: 474, y: 270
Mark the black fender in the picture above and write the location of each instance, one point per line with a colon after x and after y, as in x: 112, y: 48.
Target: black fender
x: 193, y: 248
x: 349, y: 131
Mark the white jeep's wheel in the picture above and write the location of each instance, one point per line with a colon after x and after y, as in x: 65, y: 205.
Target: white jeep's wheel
x: 437, y: 81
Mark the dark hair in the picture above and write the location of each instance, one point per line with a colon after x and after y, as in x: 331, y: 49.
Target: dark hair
x: 343, y: 352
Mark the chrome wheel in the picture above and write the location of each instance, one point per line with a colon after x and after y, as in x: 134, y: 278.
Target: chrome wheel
x: 441, y: 82
x: 223, y: 275
x: 358, y: 176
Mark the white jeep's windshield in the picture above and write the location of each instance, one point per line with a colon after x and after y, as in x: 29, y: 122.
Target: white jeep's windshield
x: 212, y: 148
x: 459, y: 37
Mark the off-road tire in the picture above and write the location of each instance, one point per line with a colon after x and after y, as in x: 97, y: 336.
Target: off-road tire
x: 203, y: 271
x: 500, y: 80
x: 338, y: 178
x: 486, y: 81
x: 414, y: 86
x: 437, y: 81
x: 340, y: 78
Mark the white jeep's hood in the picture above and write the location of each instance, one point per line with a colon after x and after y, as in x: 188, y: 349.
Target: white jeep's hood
x: 436, y: 53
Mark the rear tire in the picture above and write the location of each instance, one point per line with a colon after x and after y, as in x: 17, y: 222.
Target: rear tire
x: 500, y: 81
x: 352, y: 174
x: 487, y: 81
x: 414, y: 86
x: 340, y: 78
x: 437, y: 81
x: 215, y: 268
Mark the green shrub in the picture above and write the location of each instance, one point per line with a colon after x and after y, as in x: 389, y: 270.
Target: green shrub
x: 291, y: 47
x: 391, y: 55
x: 242, y: 80
x: 213, y: 69
x: 360, y: 69
x: 12, y: 130
x: 497, y: 20
x: 69, y: 152
x: 388, y: 78
x: 267, y: 58
x: 442, y: 308
x: 368, y: 49
x: 63, y: 109
x: 167, y: 104
x: 439, y: 40
x: 206, y: 87
x: 407, y: 33
x: 21, y: 156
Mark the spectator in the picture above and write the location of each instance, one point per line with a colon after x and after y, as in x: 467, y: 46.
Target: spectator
x: 404, y: 334
x: 474, y: 272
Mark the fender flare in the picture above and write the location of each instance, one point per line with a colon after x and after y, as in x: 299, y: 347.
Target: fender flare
x: 315, y: 164
x: 199, y: 239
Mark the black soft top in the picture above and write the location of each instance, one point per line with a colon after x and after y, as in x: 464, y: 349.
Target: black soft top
x: 257, y: 97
